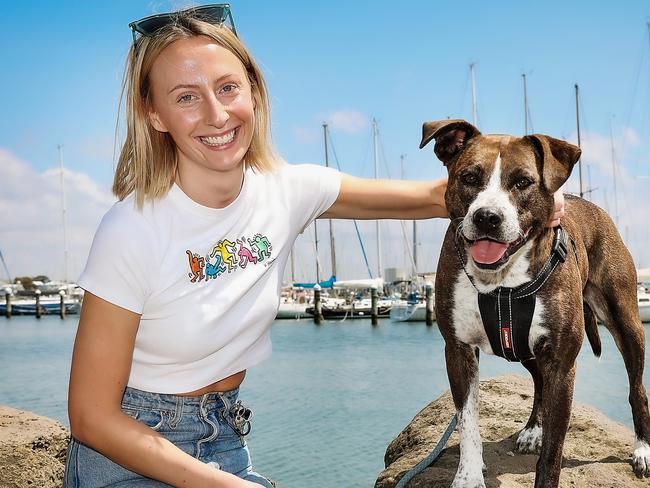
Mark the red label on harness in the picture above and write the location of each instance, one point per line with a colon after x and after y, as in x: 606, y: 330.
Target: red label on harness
x: 505, y: 337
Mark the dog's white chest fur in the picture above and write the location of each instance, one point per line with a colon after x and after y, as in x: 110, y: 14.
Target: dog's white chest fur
x: 466, y: 315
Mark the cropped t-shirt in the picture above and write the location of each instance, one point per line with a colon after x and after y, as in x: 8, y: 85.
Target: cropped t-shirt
x: 206, y: 281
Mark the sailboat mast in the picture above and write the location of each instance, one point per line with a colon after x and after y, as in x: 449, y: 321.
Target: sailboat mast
x: 332, y: 246
x: 376, y: 162
x: 4, y: 264
x: 525, y: 105
x: 63, y: 215
x: 316, y: 246
x: 578, y: 128
x: 474, y: 109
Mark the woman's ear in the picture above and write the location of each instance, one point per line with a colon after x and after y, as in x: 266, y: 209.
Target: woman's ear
x: 156, y: 123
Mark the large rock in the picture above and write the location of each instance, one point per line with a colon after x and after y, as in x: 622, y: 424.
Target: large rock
x: 597, y: 451
x: 32, y: 450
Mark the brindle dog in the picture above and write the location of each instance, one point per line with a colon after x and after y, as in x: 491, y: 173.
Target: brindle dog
x: 499, y: 197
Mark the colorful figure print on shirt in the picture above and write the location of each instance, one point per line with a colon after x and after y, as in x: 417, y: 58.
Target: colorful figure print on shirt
x: 261, y: 245
x: 245, y: 254
x: 229, y: 256
x: 213, y: 270
x: 227, y: 250
x: 196, y: 266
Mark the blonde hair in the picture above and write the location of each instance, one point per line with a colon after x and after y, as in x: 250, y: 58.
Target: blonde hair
x: 148, y: 159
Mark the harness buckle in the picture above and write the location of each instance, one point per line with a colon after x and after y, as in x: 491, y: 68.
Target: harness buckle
x: 560, y: 245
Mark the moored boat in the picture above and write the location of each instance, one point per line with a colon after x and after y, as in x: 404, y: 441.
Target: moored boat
x: 409, y: 312
x: 48, y: 305
x: 359, y: 309
x: 292, y: 310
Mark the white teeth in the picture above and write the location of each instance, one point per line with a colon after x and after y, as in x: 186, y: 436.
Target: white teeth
x: 218, y: 140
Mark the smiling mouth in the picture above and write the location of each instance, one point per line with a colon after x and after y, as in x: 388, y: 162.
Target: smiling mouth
x: 490, y: 254
x: 219, y: 141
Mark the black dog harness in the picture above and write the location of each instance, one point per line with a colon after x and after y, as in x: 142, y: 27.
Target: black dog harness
x: 507, y: 313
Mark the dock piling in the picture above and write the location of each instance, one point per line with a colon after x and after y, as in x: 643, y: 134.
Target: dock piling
x: 62, y: 303
x: 8, y: 302
x: 373, y: 306
x: 38, y: 304
x: 318, y: 307
x: 428, y: 293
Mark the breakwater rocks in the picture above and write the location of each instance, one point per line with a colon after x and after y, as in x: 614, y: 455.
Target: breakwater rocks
x: 596, y: 452
x: 32, y: 450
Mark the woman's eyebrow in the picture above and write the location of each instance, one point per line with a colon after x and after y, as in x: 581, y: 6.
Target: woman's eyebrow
x: 191, y: 85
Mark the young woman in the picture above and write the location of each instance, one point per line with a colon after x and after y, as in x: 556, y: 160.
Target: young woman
x: 183, y: 278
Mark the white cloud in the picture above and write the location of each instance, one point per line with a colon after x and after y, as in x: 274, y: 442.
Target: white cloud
x: 631, y: 137
x: 597, y: 151
x: 625, y: 197
x: 306, y: 135
x: 348, y: 121
x: 31, y: 235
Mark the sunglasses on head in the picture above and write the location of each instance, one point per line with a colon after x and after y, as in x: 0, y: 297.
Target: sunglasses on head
x: 215, y: 14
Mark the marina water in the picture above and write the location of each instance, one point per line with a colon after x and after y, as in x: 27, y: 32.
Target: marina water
x: 327, y: 403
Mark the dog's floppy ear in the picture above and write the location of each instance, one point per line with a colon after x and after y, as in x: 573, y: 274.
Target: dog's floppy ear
x: 451, y: 137
x: 558, y: 159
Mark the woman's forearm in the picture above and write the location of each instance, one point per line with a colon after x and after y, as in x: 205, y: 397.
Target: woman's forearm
x: 138, y: 448
x: 361, y: 198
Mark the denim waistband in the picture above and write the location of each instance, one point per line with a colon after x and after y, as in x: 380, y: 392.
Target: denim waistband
x: 134, y: 398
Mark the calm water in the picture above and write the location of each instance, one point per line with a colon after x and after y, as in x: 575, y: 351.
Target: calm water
x: 328, y: 401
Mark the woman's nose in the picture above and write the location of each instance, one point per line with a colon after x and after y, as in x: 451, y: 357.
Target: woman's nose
x: 216, y: 113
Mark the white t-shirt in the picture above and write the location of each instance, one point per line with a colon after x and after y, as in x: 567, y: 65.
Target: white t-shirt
x: 205, y: 281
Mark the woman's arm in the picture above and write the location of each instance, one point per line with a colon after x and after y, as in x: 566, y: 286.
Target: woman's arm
x: 361, y: 198
x: 101, y: 363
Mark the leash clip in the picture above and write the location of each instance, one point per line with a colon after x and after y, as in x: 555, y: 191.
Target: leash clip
x: 241, y: 418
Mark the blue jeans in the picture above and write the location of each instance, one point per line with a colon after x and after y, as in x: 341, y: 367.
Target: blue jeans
x: 210, y: 428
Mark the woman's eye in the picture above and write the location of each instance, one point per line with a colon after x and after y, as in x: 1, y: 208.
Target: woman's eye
x: 523, y: 183
x: 229, y: 89
x: 186, y: 98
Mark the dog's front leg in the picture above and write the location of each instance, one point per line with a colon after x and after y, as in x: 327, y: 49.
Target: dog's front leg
x: 557, y: 396
x: 462, y: 368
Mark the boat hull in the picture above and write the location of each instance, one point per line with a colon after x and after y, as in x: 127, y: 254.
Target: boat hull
x: 47, y: 307
x: 411, y: 312
x: 347, y: 312
x: 291, y: 311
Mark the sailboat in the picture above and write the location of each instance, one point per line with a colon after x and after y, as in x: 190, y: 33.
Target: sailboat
x: 414, y: 308
x: 294, y: 301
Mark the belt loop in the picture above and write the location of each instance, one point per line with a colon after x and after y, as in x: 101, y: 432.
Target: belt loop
x: 225, y: 400
x: 178, y: 411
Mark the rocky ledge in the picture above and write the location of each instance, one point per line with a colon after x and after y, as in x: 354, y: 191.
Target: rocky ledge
x: 32, y: 450
x: 597, y: 451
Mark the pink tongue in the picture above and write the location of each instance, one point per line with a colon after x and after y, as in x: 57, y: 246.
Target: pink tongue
x: 486, y: 251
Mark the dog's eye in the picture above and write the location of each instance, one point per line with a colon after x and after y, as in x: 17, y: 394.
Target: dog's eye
x: 523, y: 183
x: 469, y: 179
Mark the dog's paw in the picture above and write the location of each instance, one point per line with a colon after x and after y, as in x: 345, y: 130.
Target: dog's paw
x: 530, y: 440
x: 641, y: 459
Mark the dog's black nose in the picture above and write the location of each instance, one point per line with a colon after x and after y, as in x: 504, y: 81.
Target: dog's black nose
x: 486, y: 219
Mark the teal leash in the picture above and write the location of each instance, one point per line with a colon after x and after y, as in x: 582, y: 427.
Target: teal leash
x: 426, y: 462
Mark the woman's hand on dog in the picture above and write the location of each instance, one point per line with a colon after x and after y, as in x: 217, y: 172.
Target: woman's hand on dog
x: 558, y: 209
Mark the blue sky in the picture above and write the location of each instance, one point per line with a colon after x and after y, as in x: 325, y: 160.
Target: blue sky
x: 400, y: 62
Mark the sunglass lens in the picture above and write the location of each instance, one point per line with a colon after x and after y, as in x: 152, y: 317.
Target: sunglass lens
x: 149, y: 26
x: 215, y: 14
